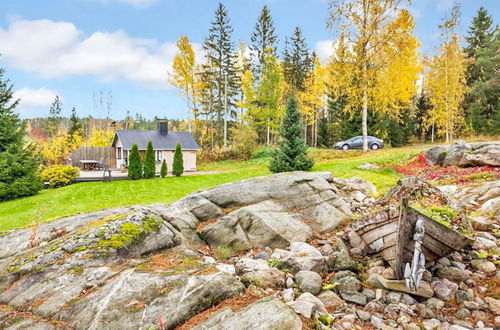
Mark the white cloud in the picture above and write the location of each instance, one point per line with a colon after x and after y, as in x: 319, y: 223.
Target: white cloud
x: 59, y: 49
x: 325, y: 49
x: 33, y: 99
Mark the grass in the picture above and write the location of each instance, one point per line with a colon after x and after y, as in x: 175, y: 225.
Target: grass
x: 51, y: 204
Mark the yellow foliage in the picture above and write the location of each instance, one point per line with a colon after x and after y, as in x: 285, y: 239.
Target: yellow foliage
x: 56, y: 149
x: 100, y: 137
x: 312, y: 98
x: 446, y: 85
x: 60, y: 175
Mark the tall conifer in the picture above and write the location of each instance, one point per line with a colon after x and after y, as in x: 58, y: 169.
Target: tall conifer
x: 296, y: 60
x: 220, y: 70
x: 18, y: 163
x: 263, y: 37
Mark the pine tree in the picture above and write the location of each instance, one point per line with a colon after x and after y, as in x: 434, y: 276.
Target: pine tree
x: 75, y: 126
x: 134, y: 164
x: 292, y: 152
x: 164, y: 170
x: 54, y: 118
x: 220, y: 71
x: 296, y: 60
x: 178, y: 164
x: 149, y: 162
x: 263, y: 37
x: 18, y: 163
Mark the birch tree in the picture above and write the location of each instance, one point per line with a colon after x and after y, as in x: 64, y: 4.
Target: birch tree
x: 365, y: 26
x: 446, y: 81
x: 183, y: 76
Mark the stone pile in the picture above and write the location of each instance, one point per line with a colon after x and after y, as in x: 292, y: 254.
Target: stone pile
x: 463, y: 154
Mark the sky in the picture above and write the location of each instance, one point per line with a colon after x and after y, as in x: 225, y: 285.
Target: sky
x: 81, y: 49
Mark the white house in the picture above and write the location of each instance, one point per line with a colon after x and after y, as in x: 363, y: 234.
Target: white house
x: 164, y: 143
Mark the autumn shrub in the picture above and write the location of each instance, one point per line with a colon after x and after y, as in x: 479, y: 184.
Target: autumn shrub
x: 216, y: 154
x: 60, y: 175
x: 244, y: 141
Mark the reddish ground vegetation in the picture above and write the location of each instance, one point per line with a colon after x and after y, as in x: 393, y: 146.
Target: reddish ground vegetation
x: 235, y: 303
x: 419, y: 167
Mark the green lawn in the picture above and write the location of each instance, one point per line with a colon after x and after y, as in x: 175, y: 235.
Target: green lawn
x: 83, y: 197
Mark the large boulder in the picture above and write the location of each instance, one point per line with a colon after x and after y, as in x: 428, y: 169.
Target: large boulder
x: 435, y: 156
x: 274, y: 211
x: 265, y: 314
x: 456, y: 153
x: 264, y: 224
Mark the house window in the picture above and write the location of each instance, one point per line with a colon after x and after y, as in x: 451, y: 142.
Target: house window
x: 158, y: 155
x: 118, y: 153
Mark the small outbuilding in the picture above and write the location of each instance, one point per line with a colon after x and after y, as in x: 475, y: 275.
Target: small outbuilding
x: 164, y: 143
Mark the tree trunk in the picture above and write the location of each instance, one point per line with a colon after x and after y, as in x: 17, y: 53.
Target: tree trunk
x: 364, y: 124
x: 225, y: 112
x: 268, y: 131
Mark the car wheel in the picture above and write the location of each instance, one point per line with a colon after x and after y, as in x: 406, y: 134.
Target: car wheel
x: 374, y: 146
x: 345, y: 147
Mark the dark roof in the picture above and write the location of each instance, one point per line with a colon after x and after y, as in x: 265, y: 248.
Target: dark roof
x: 160, y: 142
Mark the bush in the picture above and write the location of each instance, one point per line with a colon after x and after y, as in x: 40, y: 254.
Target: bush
x: 244, y: 141
x: 216, y: 154
x: 164, y: 170
x: 178, y: 165
x: 60, y: 175
x: 263, y: 152
x: 149, y: 162
x: 134, y: 164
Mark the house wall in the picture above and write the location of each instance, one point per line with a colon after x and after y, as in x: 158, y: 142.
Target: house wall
x: 119, y: 160
x: 189, y: 158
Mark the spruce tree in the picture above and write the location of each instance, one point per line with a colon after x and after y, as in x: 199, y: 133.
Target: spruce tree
x: 54, y: 118
x: 164, y: 170
x: 134, y: 164
x: 482, y: 99
x: 292, y: 152
x: 220, y: 70
x: 75, y: 126
x: 18, y: 163
x: 263, y: 37
x: 178, y: 165
x: 149, y: 162
x: 296, y: 60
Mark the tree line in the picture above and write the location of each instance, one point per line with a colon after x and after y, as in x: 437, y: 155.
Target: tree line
x: 376, y: 82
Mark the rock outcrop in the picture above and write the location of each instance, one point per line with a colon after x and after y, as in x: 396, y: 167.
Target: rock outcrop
x: 254, y: 254
x: 463, y: 154
x: 131, y: 267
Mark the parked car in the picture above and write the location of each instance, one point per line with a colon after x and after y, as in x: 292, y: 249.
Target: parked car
x: 357, y: 143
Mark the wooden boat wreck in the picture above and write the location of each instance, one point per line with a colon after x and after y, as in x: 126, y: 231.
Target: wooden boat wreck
x: 393, y: 233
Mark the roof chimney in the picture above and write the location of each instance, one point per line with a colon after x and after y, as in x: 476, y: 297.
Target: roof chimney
x: 163, y: 127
